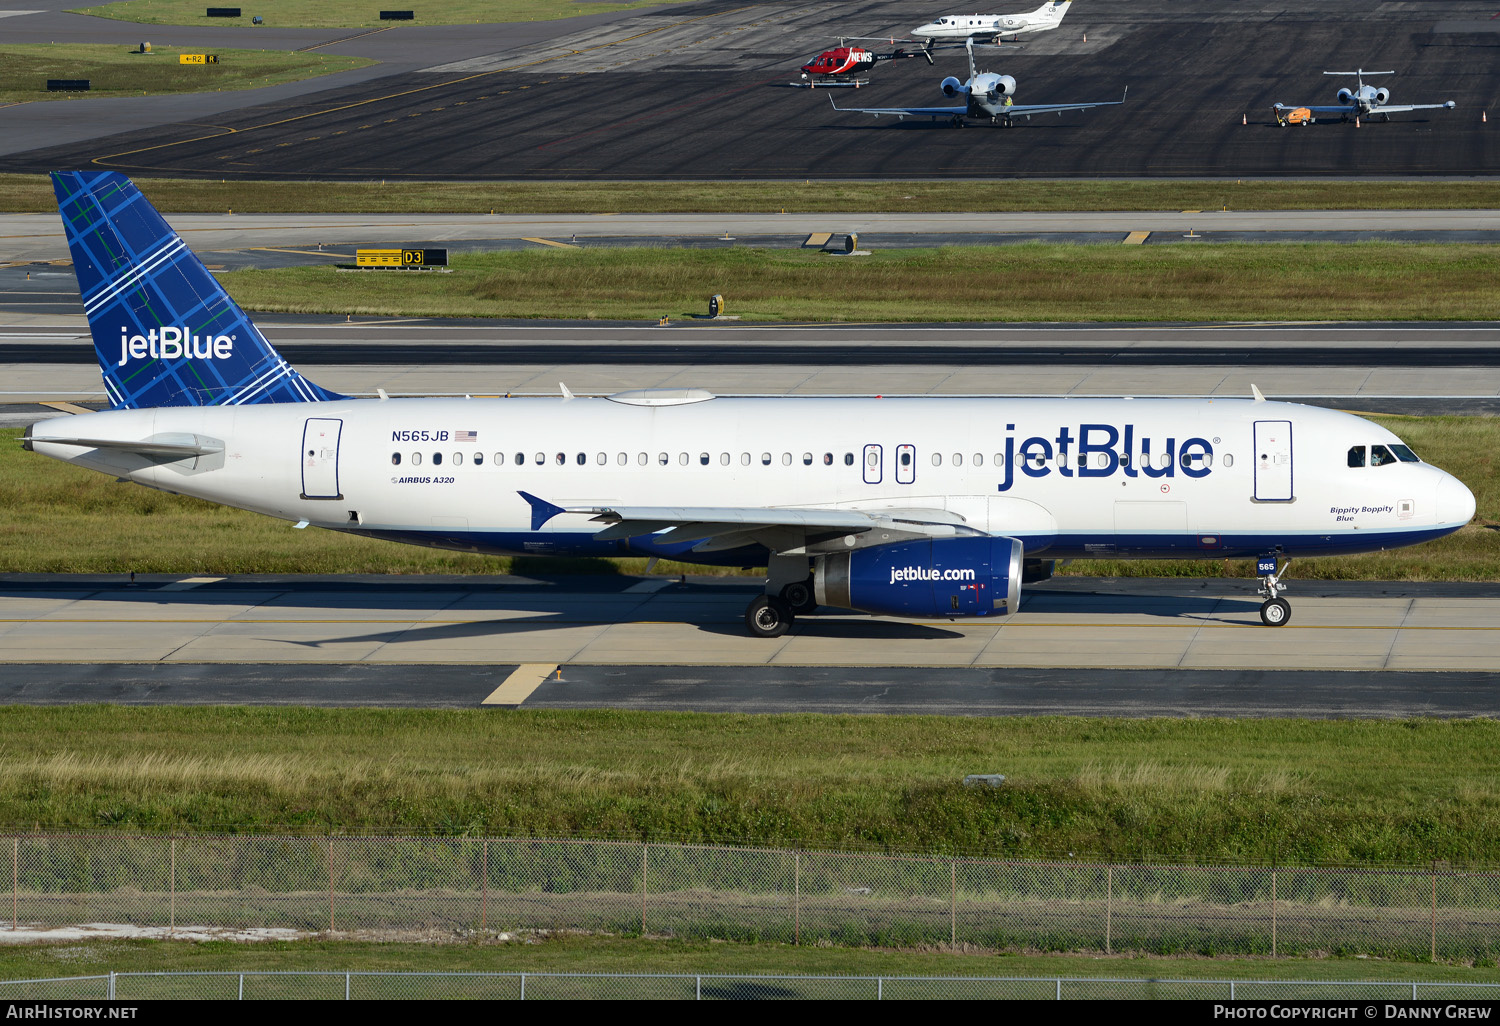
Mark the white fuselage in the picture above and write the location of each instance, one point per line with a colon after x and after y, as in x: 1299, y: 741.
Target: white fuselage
x: 1069, y: 477
x: 958, y: 27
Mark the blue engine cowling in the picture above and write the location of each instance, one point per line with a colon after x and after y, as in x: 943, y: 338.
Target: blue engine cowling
x: 945, y: 577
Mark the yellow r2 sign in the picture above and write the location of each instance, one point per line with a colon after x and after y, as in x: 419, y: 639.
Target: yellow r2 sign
x: 197, y: 58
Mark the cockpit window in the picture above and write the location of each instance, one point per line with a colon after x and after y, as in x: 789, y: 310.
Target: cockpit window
x: 1404, y: 454
x: 1356, y: 456
x: 1380, y: 456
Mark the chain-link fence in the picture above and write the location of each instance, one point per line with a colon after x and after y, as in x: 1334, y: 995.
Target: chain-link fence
x: 378, y: 986
x: 374, y: 884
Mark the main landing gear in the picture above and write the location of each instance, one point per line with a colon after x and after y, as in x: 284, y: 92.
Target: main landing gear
x: 1275, y: 611
x: 789, y: 594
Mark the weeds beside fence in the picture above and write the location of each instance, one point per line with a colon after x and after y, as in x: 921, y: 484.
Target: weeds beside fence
x: 469, y: 885
x: 385, y: 986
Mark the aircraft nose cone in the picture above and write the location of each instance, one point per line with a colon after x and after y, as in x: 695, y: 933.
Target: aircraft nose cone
x: 1455, y: 503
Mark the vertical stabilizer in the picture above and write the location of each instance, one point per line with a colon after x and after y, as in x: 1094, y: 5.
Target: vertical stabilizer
x: 166, y: 333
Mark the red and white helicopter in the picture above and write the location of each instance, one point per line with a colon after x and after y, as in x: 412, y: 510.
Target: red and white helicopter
x: 842, y: 65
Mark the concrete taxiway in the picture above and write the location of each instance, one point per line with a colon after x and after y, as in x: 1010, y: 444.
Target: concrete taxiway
x: 1072, y: 623
x: 1397, y: 368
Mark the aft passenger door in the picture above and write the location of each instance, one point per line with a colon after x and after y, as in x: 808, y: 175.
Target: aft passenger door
x: 320, y: 458
x: 1273, y: 461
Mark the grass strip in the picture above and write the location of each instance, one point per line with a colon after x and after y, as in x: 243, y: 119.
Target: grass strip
x: 32, y: 193
x: 1375, y: 281
x: 56, y: 518
x: 575, y: 954
x: 1208, y: 791
x: 358, y: 13
x: 118, y: 71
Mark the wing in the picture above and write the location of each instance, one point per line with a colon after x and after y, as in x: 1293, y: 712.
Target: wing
x: 1388, y: 108
x: 1049, y: 108
x: 727, y: 527
x: 1314, y: 108
x: 936, y: 112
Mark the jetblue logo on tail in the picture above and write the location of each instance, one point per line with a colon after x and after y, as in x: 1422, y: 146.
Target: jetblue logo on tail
x: 174, y: 343
x: 165, y: 331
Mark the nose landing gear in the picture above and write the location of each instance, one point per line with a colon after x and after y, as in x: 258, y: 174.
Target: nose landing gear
x: 1275, y: 611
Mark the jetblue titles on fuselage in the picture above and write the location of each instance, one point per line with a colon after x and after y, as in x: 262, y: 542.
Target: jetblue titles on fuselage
x: 1070, y: 455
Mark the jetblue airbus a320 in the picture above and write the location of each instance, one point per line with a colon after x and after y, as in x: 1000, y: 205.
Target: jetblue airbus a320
x: 915, y: 507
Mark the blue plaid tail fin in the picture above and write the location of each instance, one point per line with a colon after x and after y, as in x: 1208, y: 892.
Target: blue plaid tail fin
x: 166, y: 333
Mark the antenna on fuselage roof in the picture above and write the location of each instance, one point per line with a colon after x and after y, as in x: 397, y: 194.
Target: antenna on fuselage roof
x: 1256, y: 392
x: 565, y: 393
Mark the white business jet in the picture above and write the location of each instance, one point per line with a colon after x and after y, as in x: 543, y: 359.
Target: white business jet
x: 913, y: 507
x: 986, y: 95
x: 958, y: 27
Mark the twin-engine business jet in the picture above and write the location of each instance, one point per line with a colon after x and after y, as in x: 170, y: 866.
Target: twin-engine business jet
x: 986, y: 95
x: 916, y: 507
x: 994, y: 26
x: 1360, y: 102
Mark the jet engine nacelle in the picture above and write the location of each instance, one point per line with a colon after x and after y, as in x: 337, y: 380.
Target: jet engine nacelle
x: 1003, y: 85
x: 943, y: 577
x: 1346, y: 95
x: 951, y: 87
x: 1382, y: 95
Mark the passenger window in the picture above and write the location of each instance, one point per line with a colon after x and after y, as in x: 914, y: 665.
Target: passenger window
x: 663, y: 458
x: 642, y: 459
x: 703, y: 458
x: 561, y: 459
x: 623, y: 459
x: 1124, y: 459
x: 437, y: 459
x: 521, y: 458
x: 416, y: 459
x: 1164, y: 460
x: 723, y: 459
x: 499, y: 459
x: 601, y: 458
x: 682, y: 459
x: 765, y: 459
x: 1356, y: 456
x: 828, y: 459
x: 478, y: 459
x: 541, y: 458
x: 744, y: 459
x: 1380, y: 456
x: 1404, y: 454
x: 906, y: 459
x: 979, y: 459
x: 937, y: 459
x: 999, y: 459
x: 786, y: 459
x: 581, y: 459
x: 848, y: 459
x: 958, y: 459
x: 395, y: 459
x: 1228, y: 460
x: 458, y: 459
x: 807, y: 459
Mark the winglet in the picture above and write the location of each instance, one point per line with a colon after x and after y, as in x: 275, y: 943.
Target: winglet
x: 1253, y: 391
x: 566, y: 394
x: 541, y: 510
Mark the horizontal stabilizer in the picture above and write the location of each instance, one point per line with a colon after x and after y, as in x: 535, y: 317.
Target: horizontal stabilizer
x: 179, y: 446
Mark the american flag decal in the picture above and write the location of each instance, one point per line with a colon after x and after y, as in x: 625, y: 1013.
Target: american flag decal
x: 466, y: 436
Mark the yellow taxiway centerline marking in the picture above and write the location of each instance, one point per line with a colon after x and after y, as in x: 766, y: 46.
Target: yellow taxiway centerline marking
x: 549, y: 242
x: 1136, y: 238
x: 520, y: 684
